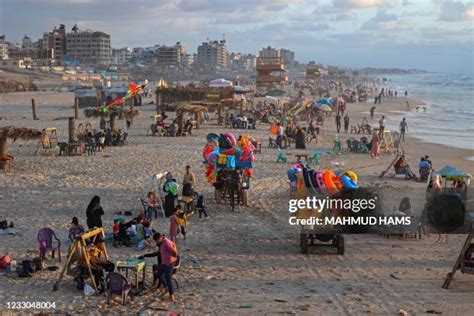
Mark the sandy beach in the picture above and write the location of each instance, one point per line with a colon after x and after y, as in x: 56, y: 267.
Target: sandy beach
x: 246, y: 262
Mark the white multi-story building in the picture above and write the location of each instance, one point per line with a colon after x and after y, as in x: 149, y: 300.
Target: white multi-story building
x: 121, y: 56
x: 213, y: 55
x: 88, y: 47
x: 171, y: 55
x: 3, y: 48
x: 288, y: 57
x: 27, y: 43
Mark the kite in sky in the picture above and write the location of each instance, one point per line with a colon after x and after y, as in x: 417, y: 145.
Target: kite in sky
x: 133, y: 90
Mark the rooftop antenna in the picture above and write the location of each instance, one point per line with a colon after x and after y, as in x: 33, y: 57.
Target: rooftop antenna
x: 223, y: 36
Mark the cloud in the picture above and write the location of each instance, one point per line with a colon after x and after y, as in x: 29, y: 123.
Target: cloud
x: 358, y: 4
x: 381, y: 21
x: 454, y: 11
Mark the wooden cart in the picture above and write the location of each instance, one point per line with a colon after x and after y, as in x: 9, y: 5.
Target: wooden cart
x: 321, y: 238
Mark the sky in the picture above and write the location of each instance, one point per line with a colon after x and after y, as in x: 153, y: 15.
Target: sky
x: 434, y: 35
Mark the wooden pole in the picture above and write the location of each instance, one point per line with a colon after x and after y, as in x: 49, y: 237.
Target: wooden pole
x: 72, y: 130
x: 33, y: 108
x: 132, y: 107
x: 159, y: 100
x: 197, y: 118
x: 113, y: 121
x: 76, y: 108
x: 3, y: 147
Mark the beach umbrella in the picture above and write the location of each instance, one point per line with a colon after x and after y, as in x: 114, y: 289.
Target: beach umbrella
x: 323, y: 101
x: 452, y: 173
x: 326, y: 108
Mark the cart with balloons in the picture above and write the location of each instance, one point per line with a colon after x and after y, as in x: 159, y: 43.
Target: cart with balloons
x: 228, y: 163
x: 306, y: 182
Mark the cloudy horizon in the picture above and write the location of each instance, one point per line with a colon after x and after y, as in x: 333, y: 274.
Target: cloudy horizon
x: 433, y: 35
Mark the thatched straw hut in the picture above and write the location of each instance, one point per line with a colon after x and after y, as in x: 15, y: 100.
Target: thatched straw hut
x: 196, y: 110
x: 168, y: 95
x: 14, y: 133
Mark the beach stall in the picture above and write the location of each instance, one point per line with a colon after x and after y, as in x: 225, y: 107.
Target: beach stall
x: 14, y: 133
x: 228, y: 164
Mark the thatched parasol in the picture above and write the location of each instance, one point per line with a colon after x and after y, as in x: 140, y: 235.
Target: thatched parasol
x: 15, y: 133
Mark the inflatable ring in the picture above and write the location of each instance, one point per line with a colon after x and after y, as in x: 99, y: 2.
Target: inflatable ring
x: 231, y: 138
x: 312, y: 179
x: 307, y: 183
x: 351, y: 174
x: 299, y: 177
x: 212, y: 137
x: 331, y: 182
x: 320, y: 180
x: 349, y: 183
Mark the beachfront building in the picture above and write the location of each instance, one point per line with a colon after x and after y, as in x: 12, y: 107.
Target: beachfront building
x: 3, y: 48
x: 288, y: 57
x: 243, y: 62
x: 269, y: 52
x: 13, y: 64
x: 213, y: 55
x: 187, y: 60
x: 270, y: 73
x: 121, y: 56
x: 88, y: 47
x: 171, y: 56
x: 27, y: 43
x: 56, y: 41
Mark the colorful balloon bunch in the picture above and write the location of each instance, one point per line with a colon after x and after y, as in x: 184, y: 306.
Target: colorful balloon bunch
x: 324, y: 180
x: 226, y: 152
x: 133, y: 90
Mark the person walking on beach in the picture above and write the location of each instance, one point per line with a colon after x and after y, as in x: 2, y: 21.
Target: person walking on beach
x: 403, y: 129
x: 338, y: 122
x: 381, y: 126
x: 375, y: 146
x: 346, y: 123
x: 189, y: 182
x: 94, y: 213
x: 406, y: 94
x: 372, y: 110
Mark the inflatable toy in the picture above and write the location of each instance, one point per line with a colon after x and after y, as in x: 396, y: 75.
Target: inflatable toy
x: 351, y: 174
x: 349, y: 183
x: 224, y: 151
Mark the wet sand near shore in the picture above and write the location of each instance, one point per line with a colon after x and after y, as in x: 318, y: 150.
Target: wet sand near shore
x: 245, y: 262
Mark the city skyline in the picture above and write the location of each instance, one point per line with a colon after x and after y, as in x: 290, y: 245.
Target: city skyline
x: 430, y: 35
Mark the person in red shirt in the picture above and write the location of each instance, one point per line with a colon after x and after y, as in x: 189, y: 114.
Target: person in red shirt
x: 169, y: 257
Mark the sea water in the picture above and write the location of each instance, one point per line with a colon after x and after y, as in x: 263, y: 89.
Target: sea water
x: 449, y: 115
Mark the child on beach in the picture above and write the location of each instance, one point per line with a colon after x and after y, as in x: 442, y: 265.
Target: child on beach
x: 181, y: 218
x: 201, y: 206
x: 174, y: 226
x: 75, y: 229
x: 151, y: 204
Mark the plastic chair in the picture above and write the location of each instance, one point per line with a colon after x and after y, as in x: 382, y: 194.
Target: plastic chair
x: 175, y: 271
x: 45, y: 239
x: 117, y: 285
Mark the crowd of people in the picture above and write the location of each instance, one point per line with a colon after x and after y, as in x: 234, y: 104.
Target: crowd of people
x: 138, y: 232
